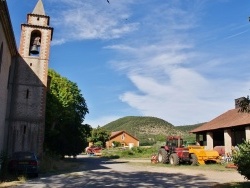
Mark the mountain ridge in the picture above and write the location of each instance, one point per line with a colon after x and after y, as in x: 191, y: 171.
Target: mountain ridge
x: 149, y: 129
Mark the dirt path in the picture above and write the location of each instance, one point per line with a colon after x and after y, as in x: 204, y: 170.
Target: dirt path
x: 99, y: 172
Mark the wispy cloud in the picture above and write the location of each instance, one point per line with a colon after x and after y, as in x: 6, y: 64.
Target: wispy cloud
x: 167, y: 71
x: 176, y: 77
x: 81, y: 20
x: 237, y: 34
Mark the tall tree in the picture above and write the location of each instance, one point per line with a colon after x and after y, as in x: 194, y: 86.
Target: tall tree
x: 244, y: 104
x: 65, y: 112
x: 241, y: 155
x: 99, y: 135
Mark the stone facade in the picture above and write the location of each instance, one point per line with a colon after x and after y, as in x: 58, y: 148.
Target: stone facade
x: 8, y: 54
x: 23, y: 111
x: 248, y: 133
x: 210, y: 142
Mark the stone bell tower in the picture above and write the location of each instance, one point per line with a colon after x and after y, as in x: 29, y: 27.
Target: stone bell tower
x: 28, y: 100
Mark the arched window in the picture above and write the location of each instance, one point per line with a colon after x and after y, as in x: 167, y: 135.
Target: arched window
x: 35, y: 42
x: 1, y: 56
x: 123, y: 136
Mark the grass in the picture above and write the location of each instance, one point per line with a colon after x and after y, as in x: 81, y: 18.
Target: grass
x: 53, y: 164
x: 11, y: 180
x: 234, y: 185
x: 49, y: 165
x: 207, y: 167
x: 135, y: 152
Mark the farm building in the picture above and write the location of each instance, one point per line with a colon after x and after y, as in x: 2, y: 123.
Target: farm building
x: 228, y: 129
x: 126, y: 139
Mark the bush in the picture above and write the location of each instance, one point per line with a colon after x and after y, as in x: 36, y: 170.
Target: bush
x: 127, y: 153
x: 135, y: 152
x: 99, y: 144
x: 117, y: 144
x: 241, y: 159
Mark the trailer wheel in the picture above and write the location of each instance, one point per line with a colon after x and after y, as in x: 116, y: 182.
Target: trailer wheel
x: 174, y: 159
x: 162, y: 156
x: 194, y: 160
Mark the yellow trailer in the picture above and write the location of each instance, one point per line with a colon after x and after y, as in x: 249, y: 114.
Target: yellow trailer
x: 203, y: 155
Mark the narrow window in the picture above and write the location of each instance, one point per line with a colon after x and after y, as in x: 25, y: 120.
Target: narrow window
x: 24, y: 129
x: 9, y: 77
x: 123, y: 136
x: 1, y: 56
x: 27, y: 94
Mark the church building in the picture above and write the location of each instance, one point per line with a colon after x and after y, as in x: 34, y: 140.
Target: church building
x: 23, y: 80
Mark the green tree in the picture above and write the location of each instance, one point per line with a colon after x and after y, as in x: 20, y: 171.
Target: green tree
x: 99, y: 135
x: 241, y: 158
x: 65, y: 112
x: 244, y: 104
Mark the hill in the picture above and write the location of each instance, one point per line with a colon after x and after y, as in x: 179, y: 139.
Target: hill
x: 148, y: 130
x: 187, y: 128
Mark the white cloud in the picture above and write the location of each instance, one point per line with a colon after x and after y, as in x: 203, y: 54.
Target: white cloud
x: 175, y: 76
x: 80, y: 20
x: 187, y: 98
x: 58, y: 42
x: 100, y: 121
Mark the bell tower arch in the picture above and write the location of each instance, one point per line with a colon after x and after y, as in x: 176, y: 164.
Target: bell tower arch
x: 28, y: 100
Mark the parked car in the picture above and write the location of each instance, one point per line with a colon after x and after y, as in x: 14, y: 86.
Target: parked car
x: 24, y: 163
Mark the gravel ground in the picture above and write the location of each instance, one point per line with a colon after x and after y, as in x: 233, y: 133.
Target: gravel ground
x: 99, y: 172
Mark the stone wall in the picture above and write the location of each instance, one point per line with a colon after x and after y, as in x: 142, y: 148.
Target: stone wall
x: 8, y: 53
x: 5, y: 63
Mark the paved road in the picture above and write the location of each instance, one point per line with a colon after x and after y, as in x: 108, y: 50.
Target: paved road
x: 98, y: 172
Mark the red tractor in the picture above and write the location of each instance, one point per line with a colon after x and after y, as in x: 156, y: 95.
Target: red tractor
x: 93, y: 150
x: 175, y: 153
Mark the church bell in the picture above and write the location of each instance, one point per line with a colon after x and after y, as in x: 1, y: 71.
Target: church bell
x: 34, y: 49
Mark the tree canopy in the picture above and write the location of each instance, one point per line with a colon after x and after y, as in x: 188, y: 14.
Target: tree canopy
x: 242, y: 160
x: 99, y: 136
x: 65, y: 112
x: 244, y: 104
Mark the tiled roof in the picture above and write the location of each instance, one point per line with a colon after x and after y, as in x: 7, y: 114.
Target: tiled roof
x: 230, y: 118
x: 114, y: 134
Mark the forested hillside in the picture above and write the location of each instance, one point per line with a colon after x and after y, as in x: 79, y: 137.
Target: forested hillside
x: 148, y: 130
x: 187, y: 128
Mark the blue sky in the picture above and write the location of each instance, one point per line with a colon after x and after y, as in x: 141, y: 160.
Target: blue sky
x: 184, y: 61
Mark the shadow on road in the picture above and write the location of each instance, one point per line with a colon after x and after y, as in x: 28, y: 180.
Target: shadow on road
x: 94, y: 172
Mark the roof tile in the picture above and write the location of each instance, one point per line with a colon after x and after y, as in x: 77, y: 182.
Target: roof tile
x: 230, y: 118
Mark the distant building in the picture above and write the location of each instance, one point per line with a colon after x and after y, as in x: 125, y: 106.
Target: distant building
x: 126, y: 139
x: 23, y: 81
x: 228, y: 129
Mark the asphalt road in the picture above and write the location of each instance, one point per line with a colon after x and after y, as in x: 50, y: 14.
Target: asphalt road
x: 98, y: 172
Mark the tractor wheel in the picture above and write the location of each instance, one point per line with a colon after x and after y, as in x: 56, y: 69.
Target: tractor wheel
x: 174, y: 159
x: 162, y: 156
x: 194, y: 160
